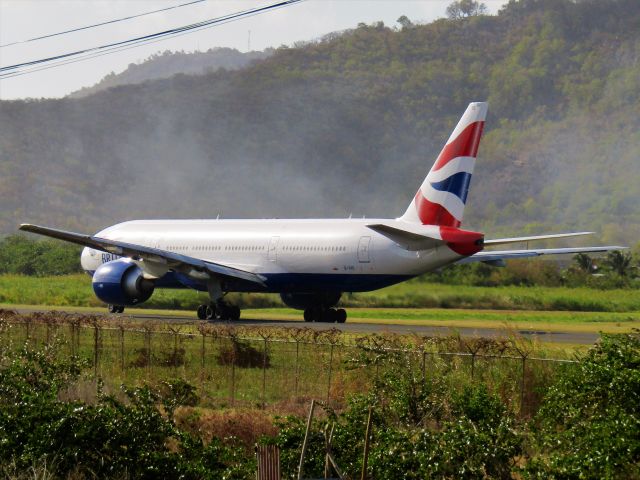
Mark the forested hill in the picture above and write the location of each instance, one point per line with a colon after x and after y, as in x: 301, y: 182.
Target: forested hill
x: 167, y: 64
x: 351, y: 124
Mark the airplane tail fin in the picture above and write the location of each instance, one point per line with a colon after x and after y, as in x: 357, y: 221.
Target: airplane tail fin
x: 443, y: 194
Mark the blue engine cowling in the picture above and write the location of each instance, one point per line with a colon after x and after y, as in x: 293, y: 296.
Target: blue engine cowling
x: 120, y: 282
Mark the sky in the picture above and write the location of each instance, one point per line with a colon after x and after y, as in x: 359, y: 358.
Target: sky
x: 308, y: 20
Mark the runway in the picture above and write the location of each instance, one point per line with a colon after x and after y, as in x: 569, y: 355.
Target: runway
x: 581, y: 338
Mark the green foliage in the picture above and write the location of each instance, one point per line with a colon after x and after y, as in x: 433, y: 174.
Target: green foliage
x: 333, y: 120
x: 422, y: 427
x: 589, y: 424
x: 106, y: 439
x: 465, y: 8
x: 20, y: 255
x: 620, y: 263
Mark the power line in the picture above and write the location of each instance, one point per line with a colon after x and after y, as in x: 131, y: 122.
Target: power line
x: 112, y: 50
x: 86, y: 54
x: 108, y: 22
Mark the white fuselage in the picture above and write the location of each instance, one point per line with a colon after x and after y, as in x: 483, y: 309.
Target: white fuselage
x: 293, y: 255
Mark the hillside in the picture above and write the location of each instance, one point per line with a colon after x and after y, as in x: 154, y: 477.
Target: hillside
x: 168, y: 64
x: 351, y: 124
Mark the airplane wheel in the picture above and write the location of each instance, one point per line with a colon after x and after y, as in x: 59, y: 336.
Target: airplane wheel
x: 210, y: 312
x: 308, y: 315
x: 234, y: 313
x: 341, y: 315
x: 115, y: 308
x: 330, y: 316
x: 222, y: 312
x: 202, y: 312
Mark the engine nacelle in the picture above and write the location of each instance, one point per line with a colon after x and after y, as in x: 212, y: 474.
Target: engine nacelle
x: 303, y: 301
x: 120, y: 282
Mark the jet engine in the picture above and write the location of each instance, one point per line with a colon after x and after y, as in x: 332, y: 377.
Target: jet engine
x: 120, y: 282
x: 304, y: 301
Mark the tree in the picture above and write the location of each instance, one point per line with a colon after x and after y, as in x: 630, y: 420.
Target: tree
x: 465, y: 8
x: 619, y: 263
x: 584, y: 262
x: 405, y: 22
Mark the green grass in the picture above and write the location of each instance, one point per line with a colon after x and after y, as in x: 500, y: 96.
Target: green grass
x: 435, y: 295
x: 411, y: 303
x: 595, y: 322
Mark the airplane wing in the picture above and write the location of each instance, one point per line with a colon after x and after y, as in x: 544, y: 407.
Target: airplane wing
x: 498, y: 258
x: 160, y: 259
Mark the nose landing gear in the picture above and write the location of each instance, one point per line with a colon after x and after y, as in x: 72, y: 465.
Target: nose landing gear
x: 115, y: 308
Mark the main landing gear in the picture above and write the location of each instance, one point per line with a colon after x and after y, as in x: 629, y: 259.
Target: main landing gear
x: 217, y: 308
x: 115, y: 308
x: 328, y: 315
x: 218, y: 311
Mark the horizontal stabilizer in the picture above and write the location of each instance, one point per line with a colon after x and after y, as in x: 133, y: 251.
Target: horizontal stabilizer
x: 503, y: 241
x: 498, y: 257
x: 193, y: 267
x: 416, y: 237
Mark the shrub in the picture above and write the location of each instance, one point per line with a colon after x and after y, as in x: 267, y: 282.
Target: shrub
x: 589, y: 423
x: 108, y: 439
x: 243, y: 355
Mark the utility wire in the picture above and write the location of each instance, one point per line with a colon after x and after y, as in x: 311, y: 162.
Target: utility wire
x: 108, y: 22
x: 112, y: 50
x: 63, y: 59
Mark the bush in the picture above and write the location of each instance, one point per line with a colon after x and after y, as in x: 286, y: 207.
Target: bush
x: 108, y: 439
x: 421, y: 429
x: 242, y: 355
x: 589, y: 423
x: 20, y: 255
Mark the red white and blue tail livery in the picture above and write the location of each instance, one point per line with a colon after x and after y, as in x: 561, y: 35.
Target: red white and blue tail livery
x: 310, y: 263
x: 443, y: 194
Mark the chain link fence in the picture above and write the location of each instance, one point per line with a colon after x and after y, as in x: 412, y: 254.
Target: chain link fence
x: 267, y: 366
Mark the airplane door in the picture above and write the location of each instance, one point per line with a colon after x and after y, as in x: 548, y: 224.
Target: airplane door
x: 273, y: 249
x: 363, y: 249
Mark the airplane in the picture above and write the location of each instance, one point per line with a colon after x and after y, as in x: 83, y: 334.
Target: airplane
x: 309, y: 262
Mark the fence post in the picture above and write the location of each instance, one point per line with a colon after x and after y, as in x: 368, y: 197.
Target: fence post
x: 367, y: 436
x: 96, y: 344
x: 332, y: 337
x: 121, y: 329
x: 330, y: 372
x: 305, y: 442
x: 203, y: 329
x: 234, y: 348
x: 264, y: 372
x: 524, y: 361
x: 175, y: 330
x: 298, y: 335
x: 27, y: 323
x: 297, y: 375
x: 473, y: 364
x: 524, y: 348
x: 76, y: 338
